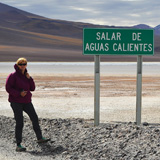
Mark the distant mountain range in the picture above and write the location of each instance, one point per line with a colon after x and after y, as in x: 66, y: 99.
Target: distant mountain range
x: 43, y: 39
x: 144, y: 26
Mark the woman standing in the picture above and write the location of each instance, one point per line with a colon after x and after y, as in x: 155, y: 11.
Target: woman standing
x: 18, y: 85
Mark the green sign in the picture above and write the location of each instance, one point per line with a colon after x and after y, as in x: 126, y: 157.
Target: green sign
x: 118, y: 41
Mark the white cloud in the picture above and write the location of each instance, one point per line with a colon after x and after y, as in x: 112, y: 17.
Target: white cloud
x: 132, y: 0
x: 106, y: 12
x: 22, y: 5
x: 134, y: 15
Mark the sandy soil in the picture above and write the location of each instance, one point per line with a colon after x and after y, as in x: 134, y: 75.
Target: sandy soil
x: 60, y: 96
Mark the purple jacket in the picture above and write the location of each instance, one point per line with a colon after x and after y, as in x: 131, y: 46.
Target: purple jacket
x: 16, y: 83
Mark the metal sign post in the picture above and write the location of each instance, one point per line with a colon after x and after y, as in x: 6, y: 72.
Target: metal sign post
x: 97, y: 90
x: 139, y: 90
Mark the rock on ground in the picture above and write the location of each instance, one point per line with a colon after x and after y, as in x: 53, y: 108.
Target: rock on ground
x: 78, y: 139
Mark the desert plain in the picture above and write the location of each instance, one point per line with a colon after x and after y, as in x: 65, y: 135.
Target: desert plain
x: 70, y: 94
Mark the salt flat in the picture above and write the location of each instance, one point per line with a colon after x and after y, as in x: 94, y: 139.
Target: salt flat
x: 66, y: 90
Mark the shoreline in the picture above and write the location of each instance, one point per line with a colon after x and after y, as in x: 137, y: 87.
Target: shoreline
x: 85, y: 68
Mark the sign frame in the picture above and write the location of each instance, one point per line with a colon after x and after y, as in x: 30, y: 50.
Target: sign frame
x: 105, y: 40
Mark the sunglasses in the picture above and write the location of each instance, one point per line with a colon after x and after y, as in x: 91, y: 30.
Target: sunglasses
x: 23, y: 64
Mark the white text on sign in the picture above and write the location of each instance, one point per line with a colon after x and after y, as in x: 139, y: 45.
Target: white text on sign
x: 118, y: 47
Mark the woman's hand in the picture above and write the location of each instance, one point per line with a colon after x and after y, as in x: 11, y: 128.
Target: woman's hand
x: 23, y: 93
x: 27, y: 75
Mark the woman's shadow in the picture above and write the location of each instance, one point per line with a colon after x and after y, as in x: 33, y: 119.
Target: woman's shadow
x: 47, y: 150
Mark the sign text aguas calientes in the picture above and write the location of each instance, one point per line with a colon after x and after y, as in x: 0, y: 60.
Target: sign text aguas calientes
x: 118, y: 41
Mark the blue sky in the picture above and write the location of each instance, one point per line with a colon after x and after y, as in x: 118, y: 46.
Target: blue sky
x: 104, y: 12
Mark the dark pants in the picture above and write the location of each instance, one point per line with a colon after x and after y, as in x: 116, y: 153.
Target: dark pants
x: 18, y: 109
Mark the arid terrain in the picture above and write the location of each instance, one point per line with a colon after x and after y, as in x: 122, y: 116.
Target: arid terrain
x: 37, y: 38
x: 60, y: 96
x: 64, y: 101
x: 64, y: 95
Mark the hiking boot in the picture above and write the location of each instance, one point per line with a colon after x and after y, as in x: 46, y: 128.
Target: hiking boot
x: 43, y: 140
x: 20, y: 148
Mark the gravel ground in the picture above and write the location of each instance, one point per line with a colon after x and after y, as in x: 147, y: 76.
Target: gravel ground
x: 79, y: 139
